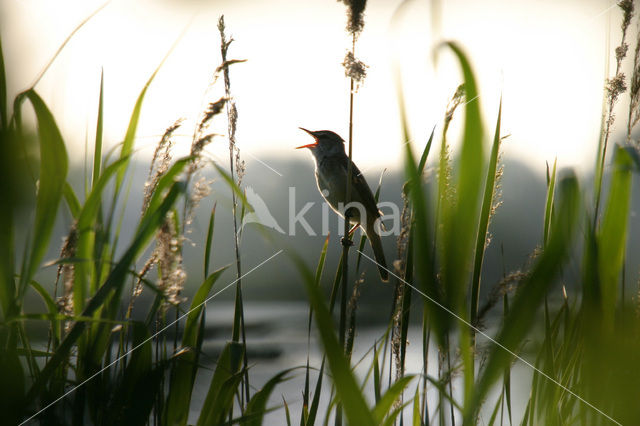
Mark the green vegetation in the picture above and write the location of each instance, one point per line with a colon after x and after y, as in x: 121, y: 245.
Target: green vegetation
x: 101, y: 366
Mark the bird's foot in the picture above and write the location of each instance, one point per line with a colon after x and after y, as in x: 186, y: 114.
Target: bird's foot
x: 346, y: 242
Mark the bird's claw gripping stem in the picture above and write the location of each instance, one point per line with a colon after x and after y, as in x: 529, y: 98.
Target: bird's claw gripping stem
x: 346, y: 242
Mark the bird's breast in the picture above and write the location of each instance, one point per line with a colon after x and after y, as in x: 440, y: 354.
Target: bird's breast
x: 331, y: 180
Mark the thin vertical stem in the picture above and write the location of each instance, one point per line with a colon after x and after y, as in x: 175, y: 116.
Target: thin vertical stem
x: 238, y: 329
x: 346, y: 243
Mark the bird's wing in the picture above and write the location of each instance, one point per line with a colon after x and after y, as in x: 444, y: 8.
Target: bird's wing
x: 362, y: 191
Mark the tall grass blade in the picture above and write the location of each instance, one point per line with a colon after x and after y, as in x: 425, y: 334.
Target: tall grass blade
x: 353, y: 401
x: 53, y: 173
x: 225, y: 381
x: 383, y: 406
x: 209, y: 244
x: 531, y: 293
x: 423, y: 250
x: 85, y: 229
x: 612, y: 236
x: 129, y: 137
x: 425, y: 153
x: 52, y: 308
x: 315, y: 403
x: 548, y: 208
x: 318, y: 277
x: 461, y: 222
x: 72, y: 200
x: 97, y: 148
x: 257, y: 406
x: 234, y: 187
x: 485, y: 213
x: 417, y: 418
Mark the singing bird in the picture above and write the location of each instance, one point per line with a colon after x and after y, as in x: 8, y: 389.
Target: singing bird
x: 331, y: 176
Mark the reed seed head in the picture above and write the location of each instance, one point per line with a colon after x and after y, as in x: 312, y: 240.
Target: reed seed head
x: 355, y: 15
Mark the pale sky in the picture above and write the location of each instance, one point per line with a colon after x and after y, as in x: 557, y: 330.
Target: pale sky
x: 547, y: 58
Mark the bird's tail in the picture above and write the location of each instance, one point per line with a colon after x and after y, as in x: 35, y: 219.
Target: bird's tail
x: 378, y: 252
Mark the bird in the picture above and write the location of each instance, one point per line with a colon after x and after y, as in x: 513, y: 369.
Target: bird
x: 331, y: 177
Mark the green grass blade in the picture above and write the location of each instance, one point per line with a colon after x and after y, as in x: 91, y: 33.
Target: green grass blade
x: 129, y: 138
x: 548, y: 208
x: 417, y: 418
x: 225, y: 381
x: 612, y: 235
x: 382, y: 408
x: 353, y: 401
x: 425, y: 153
x: 315, y: 403
x: 197, y: 306
x: 52, y: 177
x: 72, y: 200
x: 422, y: 252
x: 496, y: 408
x: 97, y: 149
x: 234, y: 187
x: 531, y: 293
x: 286, y: 411
x: 317, y: 279
x: 85, y: 229
x: 209, y: 244
x: 460, y: 224
x: 485, y: 213
x: 52, y: 308
x: 393, y: 415
x: 257, y: 406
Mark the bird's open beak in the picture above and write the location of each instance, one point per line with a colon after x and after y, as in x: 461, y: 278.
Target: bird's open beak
x: 311, y: 145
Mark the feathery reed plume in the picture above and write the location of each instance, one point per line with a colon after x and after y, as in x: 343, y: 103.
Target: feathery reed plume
x: 171, y: 274
x: 496, y: 197
x: 354, y: 69
x: 355, y: 16
x: 160, y: 162
x: 353, y: 307
x: 504, y: 286
x: 403, y: 237
x: 67, y: 272
x: 614, y: 86
x: 456, y: 100
x: 634, y: 93
x: 445, y: 171
x: 159, y: 165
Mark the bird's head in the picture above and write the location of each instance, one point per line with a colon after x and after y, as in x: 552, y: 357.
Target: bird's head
x: 326, y: 143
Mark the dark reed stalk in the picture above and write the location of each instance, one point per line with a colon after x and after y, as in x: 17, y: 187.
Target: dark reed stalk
x: 346, y: 242
x: 232, y: 114
x: 355, y: 24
